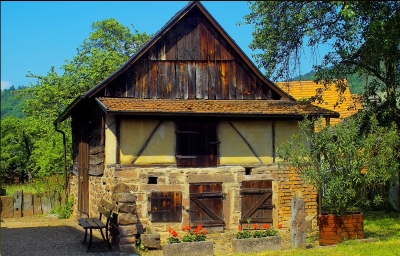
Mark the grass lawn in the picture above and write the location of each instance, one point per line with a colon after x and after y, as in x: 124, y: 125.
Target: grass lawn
x: 384, y: 227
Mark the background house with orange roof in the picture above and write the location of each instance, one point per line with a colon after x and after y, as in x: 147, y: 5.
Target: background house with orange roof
x: 346, y: 104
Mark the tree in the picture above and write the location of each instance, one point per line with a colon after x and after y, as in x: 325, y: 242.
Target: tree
x: 344, y: 160
x: 16, y: 149
x: 363, y: 38
x: 108, y: 46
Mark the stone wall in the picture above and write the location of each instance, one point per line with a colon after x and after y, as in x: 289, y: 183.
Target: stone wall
x: 129, y: 188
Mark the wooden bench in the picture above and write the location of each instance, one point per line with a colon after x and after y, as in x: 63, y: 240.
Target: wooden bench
x: 105, y: 209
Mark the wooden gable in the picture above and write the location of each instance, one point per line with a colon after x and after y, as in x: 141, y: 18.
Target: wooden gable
x: 191, y: 57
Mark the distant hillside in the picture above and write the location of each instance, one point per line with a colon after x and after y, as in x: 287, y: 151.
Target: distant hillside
x: 10, y: 105
x: 356, y: 83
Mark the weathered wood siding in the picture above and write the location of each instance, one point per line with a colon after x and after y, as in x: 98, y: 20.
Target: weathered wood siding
x: 88, y: 128
x: 190, y: 61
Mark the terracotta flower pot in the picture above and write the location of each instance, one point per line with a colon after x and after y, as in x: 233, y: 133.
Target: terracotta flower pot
x: 334, y: 229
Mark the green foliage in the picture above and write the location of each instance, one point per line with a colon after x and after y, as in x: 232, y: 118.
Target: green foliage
x: 31, y: 144
x: 65, y: 211
x: 11, y: 106
x: 332, y: 159
x: 256, y: 232
x: 362, y: 38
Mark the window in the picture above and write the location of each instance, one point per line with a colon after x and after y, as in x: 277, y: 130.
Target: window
x: 166, y: 206
x: 196, y: 143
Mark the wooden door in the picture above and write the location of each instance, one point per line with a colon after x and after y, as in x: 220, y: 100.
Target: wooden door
x: 206, y: 204
x: 83, y: 184
x: 257, y: 201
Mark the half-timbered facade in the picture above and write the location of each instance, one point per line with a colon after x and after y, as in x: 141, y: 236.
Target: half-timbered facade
x: 186, y: 133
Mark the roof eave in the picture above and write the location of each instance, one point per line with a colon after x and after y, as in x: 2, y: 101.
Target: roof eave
x: 67, y: 112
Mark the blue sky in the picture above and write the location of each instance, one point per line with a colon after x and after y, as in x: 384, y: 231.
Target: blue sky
x: 36, y: 35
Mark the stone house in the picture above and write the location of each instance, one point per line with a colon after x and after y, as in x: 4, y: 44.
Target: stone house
x: 185, y: 133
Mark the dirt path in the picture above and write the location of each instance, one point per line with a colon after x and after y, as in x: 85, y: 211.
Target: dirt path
x: 52, y: 236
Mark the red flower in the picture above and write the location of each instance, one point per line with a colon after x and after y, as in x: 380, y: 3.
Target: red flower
x: 247, y: 225
x: 199, y: 227
x: 186, y: 228
x: 265, y: 226
x: 196, y: 231
x: 174, y: 233
x: 279, y: 225
x: 170, y: 230
x: 255, y: 226
x: 240, y: 228
x: 204, y: 232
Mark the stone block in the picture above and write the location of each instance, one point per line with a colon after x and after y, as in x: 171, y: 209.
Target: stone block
x: 127, y: 208
x: 125, y: 188
x: 27, y: 208
x: 298, y: 222
x: 127, y: 218
x: 151, y: 239
x: 7, y: 207
x: 128, y: 248
x: 18, y: 204
x: 123, y: 198
x: 251, y: 245
x: 226, y: 178
x: 127, y: 240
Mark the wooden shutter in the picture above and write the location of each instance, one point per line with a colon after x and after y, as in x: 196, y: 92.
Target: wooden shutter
x: 196, y: 143
x: 206, y: 204
x: 166, y: 206
x: 257, y: 201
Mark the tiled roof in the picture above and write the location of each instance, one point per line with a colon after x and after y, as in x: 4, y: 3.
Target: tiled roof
x: 307, y: 89
x: 212, y: 107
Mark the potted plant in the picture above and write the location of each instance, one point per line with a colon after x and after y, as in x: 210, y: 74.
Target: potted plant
x: 343, y: 162
x: 192, y: 243
x: 255, y: 238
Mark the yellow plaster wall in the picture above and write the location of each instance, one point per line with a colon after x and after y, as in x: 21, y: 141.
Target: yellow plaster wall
x: 133, y: 135
x: 284, y: 130
x: 110, y: 140
x: 233, y: 150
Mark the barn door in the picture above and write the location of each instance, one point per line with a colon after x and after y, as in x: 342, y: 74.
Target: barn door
x: 257, y: 201
x: 206, y: 205
x: 83, y: 201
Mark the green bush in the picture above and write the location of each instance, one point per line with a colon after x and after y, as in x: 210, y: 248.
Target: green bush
x: 65, y: 212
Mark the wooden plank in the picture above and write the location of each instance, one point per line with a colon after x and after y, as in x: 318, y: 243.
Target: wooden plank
x: 191, y: 78
x: 211, y: 80
x: 204, y: 79
x: 170, y: 45
x: 195, y: 38
x: 203, y: 39
x: 256, y: 205
x: 232, y: 79
x: 153, y: 79
x: 207, y: 210
x: 224, y: 80
x: 181, y: 40
x: 199, y: 82
x: 181, y: 82
x: 210, y: 42
x: 138, y: 89
x: 109, y: 206
x: 218, y: 81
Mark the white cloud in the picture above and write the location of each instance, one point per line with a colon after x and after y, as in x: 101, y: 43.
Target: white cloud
x: 5, y: 85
